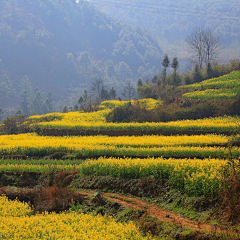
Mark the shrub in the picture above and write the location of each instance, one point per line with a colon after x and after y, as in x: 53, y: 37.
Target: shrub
x: 15, y: 124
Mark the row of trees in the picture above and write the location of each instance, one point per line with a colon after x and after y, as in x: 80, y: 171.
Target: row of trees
x: 94, y: 97
x: 26, y: 100
x: 157, y: 88
x: 34, y: 103
x: 205, y: 46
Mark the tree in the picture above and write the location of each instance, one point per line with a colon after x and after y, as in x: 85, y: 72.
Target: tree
x: 109, y: 67
x: 175, y: 64
x: 25, y: 104
x: 146, y: 91
x: 84, y: 60
x: 48, y: 104
x: 97, y: 87
x: 140, y: 83
x: 1, y: 114
x: 26, y: 85
x: 37, y: 103
x: 176, y: 79
x: 212, y: 45
x: 65, y: 109
x: 104, y: 94
x: 82, y: 101
x: 112, y: 93
x: 8, y: 92
x: 124, y: 72
x: 129, y: 91
x: 197, y: 76
x: 205, y: 44
x: 165, y: 64
x: 209, y: 70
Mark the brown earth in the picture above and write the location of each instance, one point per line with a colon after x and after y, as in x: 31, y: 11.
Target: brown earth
x: 160, y: 213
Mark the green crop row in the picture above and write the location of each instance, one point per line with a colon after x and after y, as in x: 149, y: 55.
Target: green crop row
x: 213, y: 94
x: 230, y: 80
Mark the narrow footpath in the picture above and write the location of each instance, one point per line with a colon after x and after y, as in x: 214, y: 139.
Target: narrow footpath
x: 158, y: 212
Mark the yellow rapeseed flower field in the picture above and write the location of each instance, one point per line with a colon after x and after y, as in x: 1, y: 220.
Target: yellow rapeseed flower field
x: 33, y: 145
x: 147, y: 103
x: 212, y: 94
x: 192, y: 176
x: 97, y: 120
x: 227, y: 87
x: 66, y: 225
x: 230, y: 80
x: 13, y: 208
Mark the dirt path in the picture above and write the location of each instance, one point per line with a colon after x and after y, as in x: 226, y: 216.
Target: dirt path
x: 158, y: 212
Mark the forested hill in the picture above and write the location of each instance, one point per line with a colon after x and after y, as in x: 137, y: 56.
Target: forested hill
x: 61, y: 45
x: 174, y: 20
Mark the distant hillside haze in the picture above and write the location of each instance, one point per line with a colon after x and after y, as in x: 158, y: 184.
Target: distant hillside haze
x: 62, y: 46
x: 174, y: 20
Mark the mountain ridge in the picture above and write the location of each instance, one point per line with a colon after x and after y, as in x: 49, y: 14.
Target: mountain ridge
x: 62, y: 45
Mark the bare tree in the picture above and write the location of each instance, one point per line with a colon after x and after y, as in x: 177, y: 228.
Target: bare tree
x: 96, y: 88
x: 212, y: 45
x: 205, y: 44
x: 129, y: 91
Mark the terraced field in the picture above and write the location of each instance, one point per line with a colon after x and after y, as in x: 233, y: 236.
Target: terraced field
x: 227, y: 86
x: 33, y: 145
x: 149, y: 165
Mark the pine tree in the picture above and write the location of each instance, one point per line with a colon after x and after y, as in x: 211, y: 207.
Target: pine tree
x: 165, y: 64
x: 176, y: 79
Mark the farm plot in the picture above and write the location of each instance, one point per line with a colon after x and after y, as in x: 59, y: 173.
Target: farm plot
x: 177, y: 146
x: 97, y: 120
x: 230, y: 80
x: 17, y: 223
x: 192, y: 176
x: 226, y: 86
x: 213, y: 94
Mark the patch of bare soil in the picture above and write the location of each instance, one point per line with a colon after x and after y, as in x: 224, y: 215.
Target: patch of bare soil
x: 160, y: 213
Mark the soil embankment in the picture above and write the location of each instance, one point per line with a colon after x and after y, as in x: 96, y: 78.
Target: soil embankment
x: 94, y: 132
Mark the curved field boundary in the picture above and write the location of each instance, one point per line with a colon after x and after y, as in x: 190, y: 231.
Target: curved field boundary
x: 88, y: 132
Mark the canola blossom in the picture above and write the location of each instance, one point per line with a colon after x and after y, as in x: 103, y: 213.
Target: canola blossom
x: 66, y: 225
x: 97, y: 120
x: 230, y: 80
x: 147, y: 103
x: 92, y: 117
x: 13, y: 208
x: 33, y: 145
x: 192, y: 176
x: 98, y: 116
x: 213, y: 94
x: 227, y: 87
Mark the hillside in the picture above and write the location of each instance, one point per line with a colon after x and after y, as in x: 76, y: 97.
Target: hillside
x: 62, y: 46
x: 226, y: 86
x: 172, y: 21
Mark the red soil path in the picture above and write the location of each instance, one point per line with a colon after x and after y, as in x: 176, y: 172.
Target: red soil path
x: 158, y: 212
